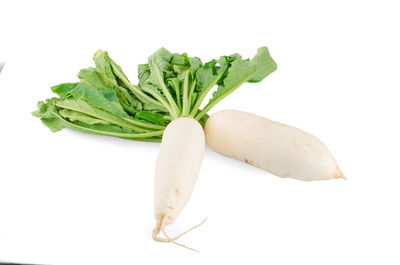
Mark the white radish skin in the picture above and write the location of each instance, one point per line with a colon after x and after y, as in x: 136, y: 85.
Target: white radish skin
x: 177, y: 168
x: 280, y: 149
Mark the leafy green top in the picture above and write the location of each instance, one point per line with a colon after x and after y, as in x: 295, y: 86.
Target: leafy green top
x: 170, y: 86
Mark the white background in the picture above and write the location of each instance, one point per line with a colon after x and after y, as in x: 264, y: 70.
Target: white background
x: 74, y: 198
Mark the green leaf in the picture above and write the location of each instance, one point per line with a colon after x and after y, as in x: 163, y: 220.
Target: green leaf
x: 144, y: 85
x: 78, y: 116
x: 92, y: 77
x: 103, y: 66
x: 227, y: 60
x: 152, y: 117
x: 242, y: 71
x: 239, y: 72
x: 111, y: 130
x: 207, y: 77
x: 85, y: 108
x: 103, y: 78
x: 183, y: 83
x: 160, y: 69
x: 155, y: 72
x: 180, y: 59
x: 143, y: 73
x: 195, y: 64
x: 110, y: 94
x: 159, y: 65
x: 210, y: 74
x: 89, y: 94
x: 46, y: 113
x: 50, y: 117
x: 181, y: 63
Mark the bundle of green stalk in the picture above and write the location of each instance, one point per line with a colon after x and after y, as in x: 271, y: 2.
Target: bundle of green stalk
x: 170, y: 86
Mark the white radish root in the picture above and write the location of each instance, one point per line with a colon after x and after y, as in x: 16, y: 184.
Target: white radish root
x: 280, y: 149
x: 177, y: 168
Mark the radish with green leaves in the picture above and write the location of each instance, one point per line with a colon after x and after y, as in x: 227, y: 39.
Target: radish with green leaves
x: 164, y: 106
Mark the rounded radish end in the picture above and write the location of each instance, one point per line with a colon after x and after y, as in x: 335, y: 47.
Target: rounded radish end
x: 339, y: 174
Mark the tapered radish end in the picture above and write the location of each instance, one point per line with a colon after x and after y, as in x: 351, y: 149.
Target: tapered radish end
x: 159, y: 227
x: 339, y: 174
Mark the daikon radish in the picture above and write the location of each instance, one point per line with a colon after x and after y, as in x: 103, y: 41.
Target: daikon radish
x: 177, y: 167
x: 165, y: 105
x: 280, y: 149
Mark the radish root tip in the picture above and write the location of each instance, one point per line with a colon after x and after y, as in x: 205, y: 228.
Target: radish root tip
x: 160, y: 227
